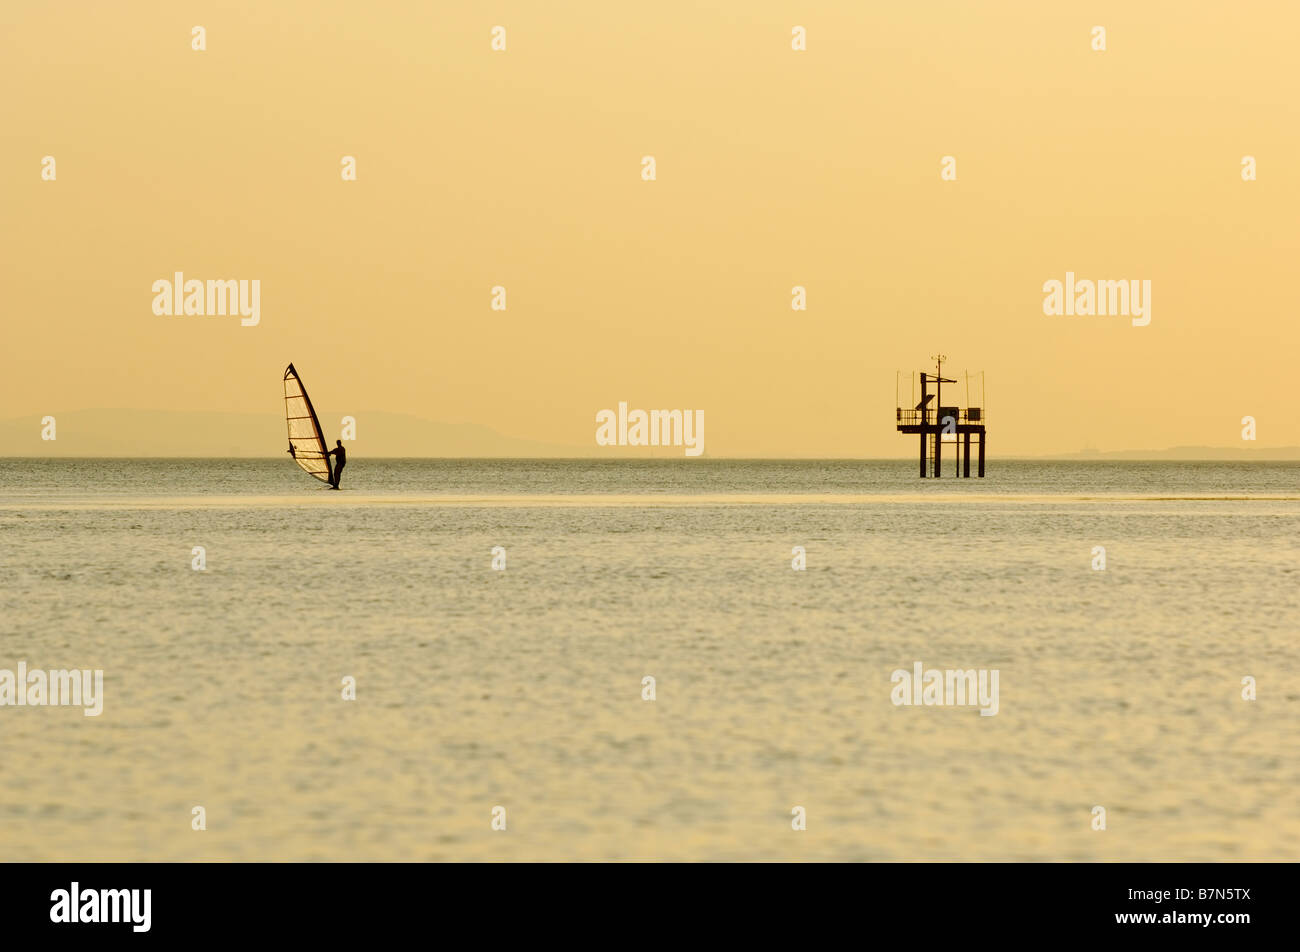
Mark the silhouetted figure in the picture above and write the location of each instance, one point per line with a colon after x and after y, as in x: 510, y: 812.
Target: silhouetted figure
x: 338, y: 463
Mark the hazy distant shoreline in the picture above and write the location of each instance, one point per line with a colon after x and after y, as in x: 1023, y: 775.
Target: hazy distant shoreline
x: 180, y: 434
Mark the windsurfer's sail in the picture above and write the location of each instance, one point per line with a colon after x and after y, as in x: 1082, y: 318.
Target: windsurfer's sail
x: 306, y: 442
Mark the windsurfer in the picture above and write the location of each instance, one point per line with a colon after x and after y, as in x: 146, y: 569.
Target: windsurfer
x: 340, y: 462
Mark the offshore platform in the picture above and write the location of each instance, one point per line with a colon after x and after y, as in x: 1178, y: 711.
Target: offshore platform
x: 937, y: 423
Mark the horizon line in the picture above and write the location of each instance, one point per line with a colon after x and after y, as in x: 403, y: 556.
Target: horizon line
x: 1078, y: 457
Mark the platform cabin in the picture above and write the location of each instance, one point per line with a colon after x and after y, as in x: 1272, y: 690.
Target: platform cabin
x: 937, y: 423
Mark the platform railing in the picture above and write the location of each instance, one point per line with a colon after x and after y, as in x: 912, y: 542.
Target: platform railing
x: 966, y: 416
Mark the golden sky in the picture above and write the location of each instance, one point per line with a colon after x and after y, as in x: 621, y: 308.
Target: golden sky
x: 775, y: 168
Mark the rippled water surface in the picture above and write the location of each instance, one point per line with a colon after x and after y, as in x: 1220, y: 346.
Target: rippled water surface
x: 477, y: 688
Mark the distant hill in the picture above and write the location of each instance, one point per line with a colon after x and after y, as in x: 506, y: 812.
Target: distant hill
x: 181, y: 433
x: 207, y: 434
x: 1247, y: 451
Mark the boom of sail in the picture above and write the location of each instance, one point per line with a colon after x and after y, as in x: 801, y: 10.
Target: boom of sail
x: 306, y: 442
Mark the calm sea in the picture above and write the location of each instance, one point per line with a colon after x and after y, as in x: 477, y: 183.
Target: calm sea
x: 523, y: 689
